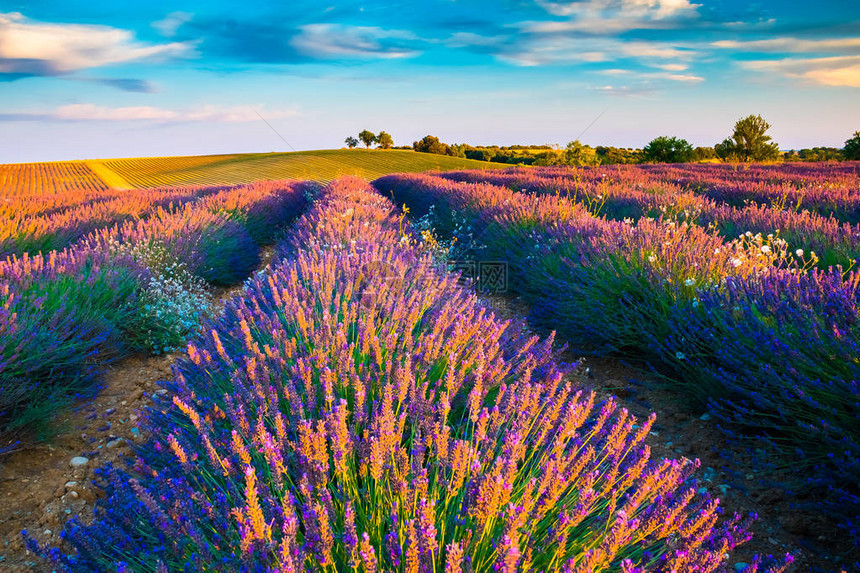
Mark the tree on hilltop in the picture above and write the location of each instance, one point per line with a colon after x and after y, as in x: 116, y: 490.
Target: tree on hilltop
x: 368, y: 138
x: 385, y: 140
x: 431, y: 144
x: 749, y: 142
x: 666, y: 149
x: 351, y: 142
x: 851, y: 151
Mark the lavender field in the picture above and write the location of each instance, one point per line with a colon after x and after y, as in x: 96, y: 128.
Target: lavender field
x: 360, y: 405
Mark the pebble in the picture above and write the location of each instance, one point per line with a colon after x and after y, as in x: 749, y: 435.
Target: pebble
x: 772, y: 541
x: 161, y: 392
x: 79, y: 461
x: 114, y: 443
x: 110, y: 411
x: 705, y: 417
x: 48, y: 532
x: 71, y: 483
x: 740, y: 566
x: 135, y: 432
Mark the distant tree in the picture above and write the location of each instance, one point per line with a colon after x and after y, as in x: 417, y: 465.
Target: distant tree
x: 750, y: 141
x: 617, y: 155
x: 385, y: 140
x: 578, y: 154
x: 368, y: 138
x: 820, y: 154
x: 479, y: 154
x: 431, y: 144
x: 551, y: 157
x: 704, y: 153
x: 726, y: 150
x: 666, y: 149
x: 351, y: 142
x: 851, y: 151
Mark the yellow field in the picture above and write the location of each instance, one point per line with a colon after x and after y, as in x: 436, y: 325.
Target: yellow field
x: 55, y: 177
x: 323, y: 166
x: 307, y: 165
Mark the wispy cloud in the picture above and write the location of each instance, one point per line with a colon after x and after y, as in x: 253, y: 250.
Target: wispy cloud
x: 625, y: 91
x: 613, y: 16
x: 793, y: 45
x: 564, y: 49
x: 126, y: 84
x: 334, y: 41
x: 30, y: 48
x: 830, y: 71
x: 169, y: 26
x: 206, y: 113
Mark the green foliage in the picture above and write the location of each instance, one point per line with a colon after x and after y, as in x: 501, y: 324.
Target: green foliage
x: 704, y: 153
x: 368, y: 138
x: 726, y: 151
x: 617, y: 155
x: 749, y: 142
x: 577, y: 154
x: 385, y: 140
x: 666, y: 149
x: 479, y: 154
x: 851, y: 151
x: 820, y: 154
x: 431, y: 144
x: 351, y: 142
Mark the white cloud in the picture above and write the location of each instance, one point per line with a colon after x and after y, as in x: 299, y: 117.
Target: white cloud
x: 688, y: 78
x: 654, y: 50
x: 210, y: 113
x: 467, y: 39
x: 792, y: 45
x: 557, y: 49
x: 172, y: 22
x: 841, y: 71
x: 613, y: 16
x: 90, y: 112
x: 672, y: 67
x: 331, y: 41
x: 35, y: 48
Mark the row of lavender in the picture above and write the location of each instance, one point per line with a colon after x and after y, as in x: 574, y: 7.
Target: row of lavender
x: 135, y: 286
x: 54, y: 222
x: 769, y: 347
x: 356, y: 409
x: 816, y: 211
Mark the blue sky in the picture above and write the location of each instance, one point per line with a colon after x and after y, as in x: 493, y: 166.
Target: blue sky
x: 106, y: 79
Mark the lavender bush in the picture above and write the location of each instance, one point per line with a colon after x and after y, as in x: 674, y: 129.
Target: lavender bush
x: 355, y: 409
